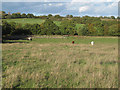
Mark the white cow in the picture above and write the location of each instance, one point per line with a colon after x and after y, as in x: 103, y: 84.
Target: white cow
x: 92, y: 43
x: 30, y: 38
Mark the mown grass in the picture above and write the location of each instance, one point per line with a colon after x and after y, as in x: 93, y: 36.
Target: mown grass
x: 57, y: 63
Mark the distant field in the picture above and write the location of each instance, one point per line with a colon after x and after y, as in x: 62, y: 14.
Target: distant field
x: 109, y: 19
x: 30, y: 21
x: 34, y: 21
x: 56, y: 62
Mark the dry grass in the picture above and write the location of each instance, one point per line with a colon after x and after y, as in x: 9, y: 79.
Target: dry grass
x: 108, y: 19
x: 35, y: 65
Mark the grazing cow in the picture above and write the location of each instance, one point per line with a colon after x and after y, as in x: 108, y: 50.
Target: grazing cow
x: 73, y: 42
x: 30, y: 38
x: 92, y: 43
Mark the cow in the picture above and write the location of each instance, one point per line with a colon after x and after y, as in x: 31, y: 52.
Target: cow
x: 73, y: 42
x: 92, y: 43
x: 29, y: 38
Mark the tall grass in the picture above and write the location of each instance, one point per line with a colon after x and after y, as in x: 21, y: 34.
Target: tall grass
x: 57, y: 63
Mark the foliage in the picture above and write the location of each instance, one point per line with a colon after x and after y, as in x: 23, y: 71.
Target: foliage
x: 30, y: 15
x: 50, y: 15
x: 67, y: 27
x: 49, y: 28
x: 13, y: 25
x: 69, y: 16
x: 84, y: 30
x: 99, y: 28
x: 35, y: 29
x: 106, y: 28
x: 6, y: 28
x: 23, y: 15
x: 113, y: 30
x: 16, y: 15
x: 112, y: 17
x: 8, y: 17
x: 57, y: 16
x: 91, y: 29
x: 18, y: 30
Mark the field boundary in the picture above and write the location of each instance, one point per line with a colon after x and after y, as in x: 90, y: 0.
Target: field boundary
x: 24, y: 37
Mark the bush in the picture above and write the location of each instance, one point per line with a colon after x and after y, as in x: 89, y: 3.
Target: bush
x: 49, y: 28
x: 67, y: 27
x: 6, y: 28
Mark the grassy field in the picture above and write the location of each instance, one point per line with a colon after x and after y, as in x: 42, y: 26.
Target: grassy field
x: 30, y: 21
x: 34, y: 21
x: 57, y: 63
x: 25, y: 20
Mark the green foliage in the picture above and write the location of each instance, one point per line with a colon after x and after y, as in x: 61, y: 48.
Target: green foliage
x: 112, y: 17
x: 91, y: 29
x: 119, y: 29
x: 57, y: 16
x: 118, y: 17
x: 8, y: 17
x: 50, y: 15
x: 49, y: 28
x: 3, y: 14
x: 16, y: 15
x: 88, y: 20
x: 18, y: 30
x: 82, y: 30
x: 13, y: 25
x: 28, y: 28
x: 23, y: 15
x: 69, y: 16
x: 106, y: 30
x: 100, y: 28
x: 6, y: 28
x: 113, y: 30
x: 43, y: 17
x: 30, y: 15
x: 67, y: 27
x: 36, y: 29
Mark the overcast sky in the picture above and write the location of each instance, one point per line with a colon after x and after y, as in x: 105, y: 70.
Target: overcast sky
x: 63, y: 7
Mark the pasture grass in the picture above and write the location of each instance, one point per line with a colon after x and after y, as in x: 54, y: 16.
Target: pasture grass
x: 78, y: 40
x: 23, y: 21
x: 57, y: 63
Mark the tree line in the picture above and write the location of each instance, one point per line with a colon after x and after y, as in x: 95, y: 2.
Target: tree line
x: 4, y: 15
x: 88, y: 26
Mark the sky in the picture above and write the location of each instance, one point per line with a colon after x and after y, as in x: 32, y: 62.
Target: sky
x: 62, y: 7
